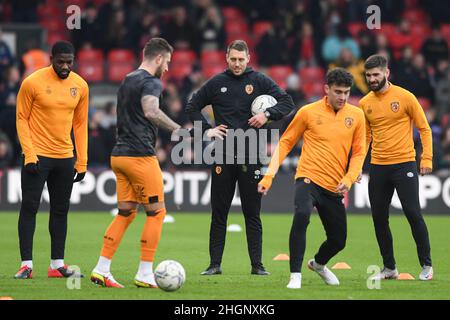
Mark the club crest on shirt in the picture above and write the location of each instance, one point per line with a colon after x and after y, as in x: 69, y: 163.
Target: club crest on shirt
x: 73, y: 92
x: 348, y: 122
x: 249, y: 89
x: 218, y: 169
x: 395, y: 106
x: 369, y: 111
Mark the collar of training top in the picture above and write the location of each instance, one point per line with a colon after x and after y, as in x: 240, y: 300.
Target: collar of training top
x: 247, y: 70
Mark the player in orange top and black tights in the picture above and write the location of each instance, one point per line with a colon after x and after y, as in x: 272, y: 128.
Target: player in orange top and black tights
x: 390, y: 112
x: 331, y: 128
x: 51, y: 102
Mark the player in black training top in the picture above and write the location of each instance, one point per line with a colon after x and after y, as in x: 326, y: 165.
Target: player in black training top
x: 231, y: 94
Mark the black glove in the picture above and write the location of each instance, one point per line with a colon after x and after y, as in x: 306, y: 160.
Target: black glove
x: 78, y: 176
x: 32, y: 167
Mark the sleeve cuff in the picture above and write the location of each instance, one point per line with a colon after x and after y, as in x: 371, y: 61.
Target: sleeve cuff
x: 347, y: 181
x: 426, y: 164
x: 31, y: 159
x: 80, y: 167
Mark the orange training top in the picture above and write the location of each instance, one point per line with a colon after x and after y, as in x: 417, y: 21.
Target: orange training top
x: 47, y: 109
x: 389, y: 125
x: 328, y: 138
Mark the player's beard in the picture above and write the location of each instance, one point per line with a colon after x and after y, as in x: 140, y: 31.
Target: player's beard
x: 159, y: 72
x: 379, y: 86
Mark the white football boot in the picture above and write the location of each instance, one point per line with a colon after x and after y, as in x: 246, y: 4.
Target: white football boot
x: 386, y: 274
x: 427, y: 273
x: 323, y: 272
x: 296, y: 281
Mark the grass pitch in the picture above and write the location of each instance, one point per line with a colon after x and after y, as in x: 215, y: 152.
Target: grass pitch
x: 186, y: 241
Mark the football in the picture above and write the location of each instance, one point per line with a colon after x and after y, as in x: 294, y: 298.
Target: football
x: 262, y: 102
x: 170, y: 275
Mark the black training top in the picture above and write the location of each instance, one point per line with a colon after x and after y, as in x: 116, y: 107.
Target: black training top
x: 136, y: 135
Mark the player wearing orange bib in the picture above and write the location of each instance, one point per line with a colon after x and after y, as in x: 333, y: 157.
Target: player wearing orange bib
x: 390, y: 113
x: 331, y: 129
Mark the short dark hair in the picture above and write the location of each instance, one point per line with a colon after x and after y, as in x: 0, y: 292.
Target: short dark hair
x: 376, y: 61
x: 339, y: 77
x: 62, y: 47
x: 239, y: 45
x: 156, y: 46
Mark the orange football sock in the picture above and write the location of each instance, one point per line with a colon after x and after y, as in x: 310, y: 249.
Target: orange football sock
x: 151, y: 235
x: 114, y: 234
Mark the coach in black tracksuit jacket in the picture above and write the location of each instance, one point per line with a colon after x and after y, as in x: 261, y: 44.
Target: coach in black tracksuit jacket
x: 231, y: 94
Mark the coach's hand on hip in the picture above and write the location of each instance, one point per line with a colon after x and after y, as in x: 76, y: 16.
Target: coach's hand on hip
x: 32, y: 167
x: 258, y: 120
x: 78, y: 176
x: 217, y: 132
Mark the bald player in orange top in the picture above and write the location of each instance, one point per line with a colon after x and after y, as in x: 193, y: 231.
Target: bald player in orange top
x: 51, y: 102
x: 331, y: 129
x: 390, y: 113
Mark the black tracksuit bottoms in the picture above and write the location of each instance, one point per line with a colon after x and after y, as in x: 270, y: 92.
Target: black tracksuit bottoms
x: 59, y: 174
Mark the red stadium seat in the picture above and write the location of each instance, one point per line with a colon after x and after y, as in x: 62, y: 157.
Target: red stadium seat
x: 414, y: 15
x: 232, y: 13
x: 52, y: 37
x: 179, y: 71
x: 121, y: 55
x: 424, y: 102
x: 313, y: 89
x: 445, y: 30
x: 212, y: 57
x: 53, y: 25
x: 445, y: 120
x: 44, y: 12
x: 260, y: 28
x: 236, y: 27
x: 279, y: 74
x: 183, y: 57
x: 354, y: 28
x: 117, y: 71
x: 211, y: 70
x: 312, y: 74
x: 90, y: 71
x: 80, y: 3
x: 90, y: 55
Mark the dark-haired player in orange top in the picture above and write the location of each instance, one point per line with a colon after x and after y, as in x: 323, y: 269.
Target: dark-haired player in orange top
x: 134, y: 162
x: 331, y: 128
x: 390, y: 112
x: 51, y: 102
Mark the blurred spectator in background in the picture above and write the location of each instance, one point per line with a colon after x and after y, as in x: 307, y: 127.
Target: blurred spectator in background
x: 6, y: 154
x: 304, y: 49
x: 34, y: 58
x: 6, y: 57
x: 108, y: 124
x: 144, y: 29
x: 117, y: 32
x: 8, y: 93
x: 180, y: 32
x: 90, y: 34
x: 98, y: 153
x: 191, y: 83
x: 435, y: 48
x: 414, y: 77
x: 367, y: 44
x: 442, y: 95
x: 24, y: 11
x: 211, y: 31
x: 402, y: 36
x: 437, y: 131
x: 445, y: 160
x: 335, y: 42
x: 355, y: 66
x: 273, y: 47
x: 294, y: 89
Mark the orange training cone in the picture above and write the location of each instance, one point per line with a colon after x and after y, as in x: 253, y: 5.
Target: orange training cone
x: 405, y: 276
x: 341, y: 266
x: 281, y: 257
